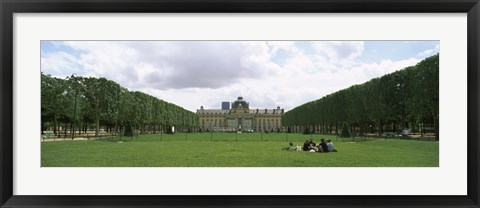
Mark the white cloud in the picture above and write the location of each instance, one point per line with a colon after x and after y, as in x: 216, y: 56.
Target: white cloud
x: 276, y: 46
x: 372, y: 70
x: 196, y: 73
x: 171, y: 64
x: 339, y: 50
x: 60, y: 64
x: 430, y: 52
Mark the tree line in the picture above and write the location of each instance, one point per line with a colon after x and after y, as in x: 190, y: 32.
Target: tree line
x: 81, y: 103
x: 405, y: 99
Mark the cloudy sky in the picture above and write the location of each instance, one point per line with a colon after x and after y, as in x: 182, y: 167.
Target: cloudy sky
x: 205, y: 73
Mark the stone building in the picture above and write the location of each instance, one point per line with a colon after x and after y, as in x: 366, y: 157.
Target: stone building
x: 240, y: 118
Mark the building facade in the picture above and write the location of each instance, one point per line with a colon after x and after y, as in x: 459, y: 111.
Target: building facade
x: 240, y: 118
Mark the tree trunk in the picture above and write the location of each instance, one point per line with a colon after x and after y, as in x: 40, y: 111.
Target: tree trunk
x: 72, y: 131
x: 97, y: 129
x: 380, y: 128
x: 54, y: 124
x: 422, y: 129
x: 65, y: 130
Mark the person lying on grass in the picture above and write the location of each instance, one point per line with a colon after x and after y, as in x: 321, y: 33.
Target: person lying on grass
x: 290, y: 147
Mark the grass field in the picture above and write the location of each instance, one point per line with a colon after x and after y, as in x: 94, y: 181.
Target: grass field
x: 235, y: 150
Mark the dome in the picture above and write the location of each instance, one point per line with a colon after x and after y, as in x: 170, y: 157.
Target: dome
x: 240, y: 103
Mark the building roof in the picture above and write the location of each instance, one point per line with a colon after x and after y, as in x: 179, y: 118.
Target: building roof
x: 212, y: 111
x: 251, y: 111
x: 240, y: 103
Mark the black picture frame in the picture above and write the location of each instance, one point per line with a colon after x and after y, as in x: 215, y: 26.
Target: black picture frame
x: 10, y: 7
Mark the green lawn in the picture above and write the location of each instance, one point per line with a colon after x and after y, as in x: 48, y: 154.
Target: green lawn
x: 231, y: 150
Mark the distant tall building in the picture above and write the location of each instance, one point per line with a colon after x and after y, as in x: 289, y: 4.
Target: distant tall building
x: 225, y: 105
x: 240, y: 118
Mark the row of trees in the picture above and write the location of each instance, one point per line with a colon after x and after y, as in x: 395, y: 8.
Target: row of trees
x: 406, y: 99
x: 79, y: 103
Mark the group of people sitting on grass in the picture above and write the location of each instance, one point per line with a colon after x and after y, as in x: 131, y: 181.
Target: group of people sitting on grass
x: 310, y: 146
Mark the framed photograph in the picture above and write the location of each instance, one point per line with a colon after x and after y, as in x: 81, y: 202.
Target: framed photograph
x: 239, y: 104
